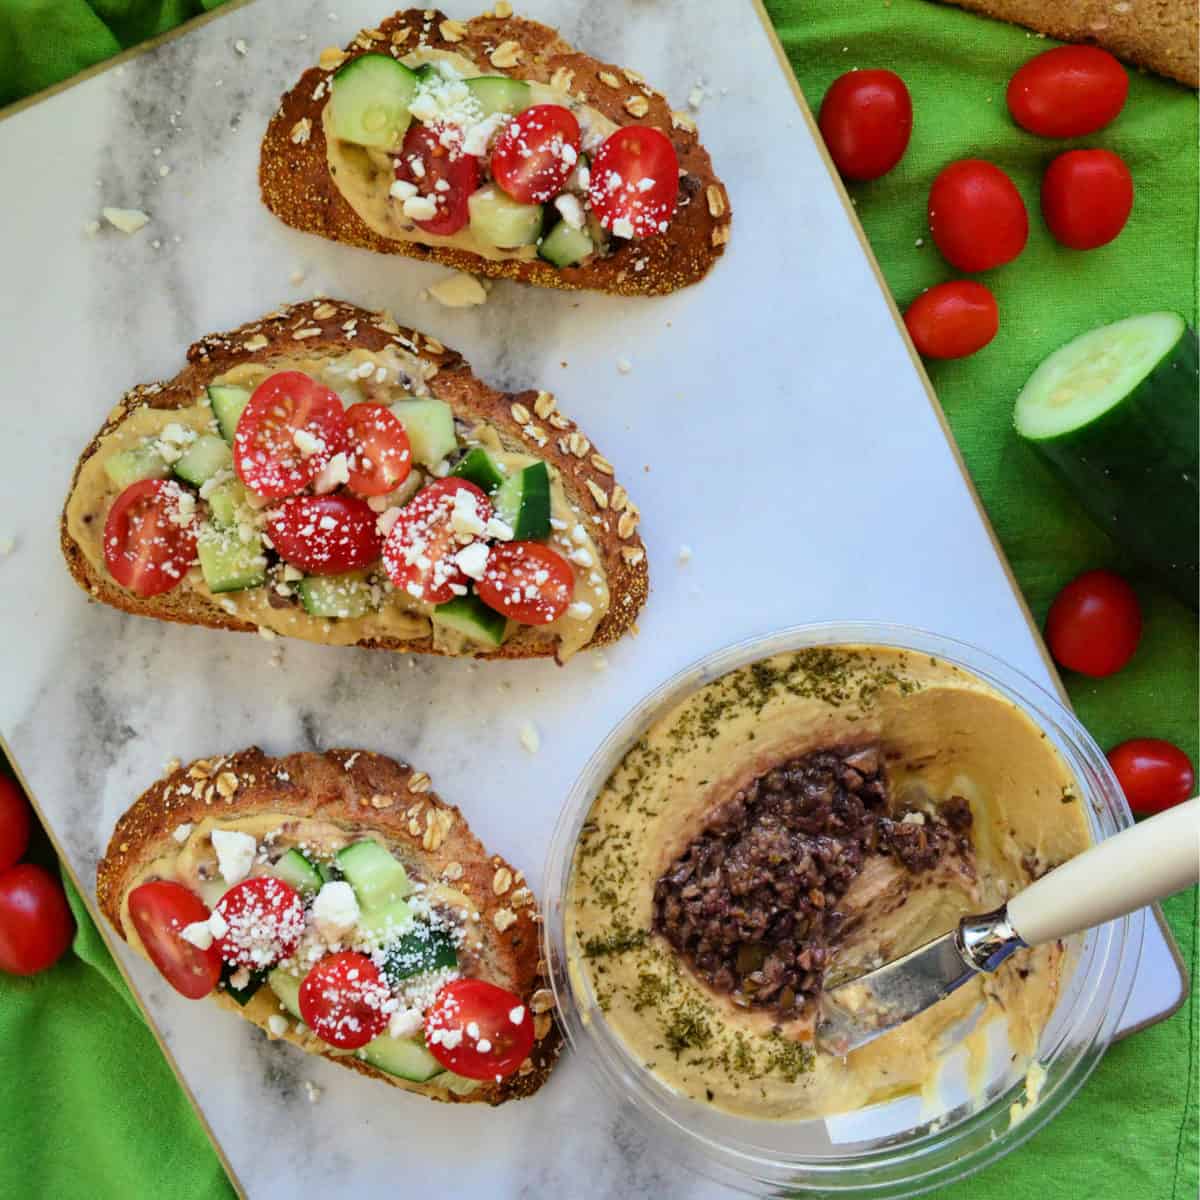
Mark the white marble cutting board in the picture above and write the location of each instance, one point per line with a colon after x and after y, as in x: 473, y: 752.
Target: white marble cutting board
x: 773, y: 421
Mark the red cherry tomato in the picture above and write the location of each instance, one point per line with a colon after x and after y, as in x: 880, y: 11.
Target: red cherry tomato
x: 1153, y: 774
x: 265, y: 920
x: 424, y: 161
x: 325, y: 535
x: 634, y: 182
x: 535, y: 153
x: 471, y: 1029
x: 150, y: 536
x: 866, y: 121
x: 379, y: 458
x: 953, y: 319
x: 1068, y: 92
x: 14, y: 822
x: 36, y: 925
x: 419, y: 552
x: 160, y: 911
x: 977, y: 216
x: 289, y: 430
x: 1094, y: 624
x: 342, y: 1000
x: 1087, y: 196
x: 527, y: 581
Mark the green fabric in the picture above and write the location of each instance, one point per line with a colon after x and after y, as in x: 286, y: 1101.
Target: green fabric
x: 98, y: 1113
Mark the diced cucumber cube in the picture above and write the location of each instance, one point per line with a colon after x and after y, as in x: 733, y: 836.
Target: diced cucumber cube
x: 227, y: 404
x: 371, y: 95
x: 565, y: 246
x: 472, y: 618
x: 295, y: 870
x: 228, y: 563
x: 344, y: 596
x: 477, y: 466
x: 417, y: 952
x: 242, y: 995
x: 286, y: 988
x: 206, y: 456
x: 523, y: 503
x: 377, y: 878
x: 226, y: 501
x: 139, y: 462
x: 384, y: 923
x: 499, y: 220
x: 499, y: 94
x: 429, y: 424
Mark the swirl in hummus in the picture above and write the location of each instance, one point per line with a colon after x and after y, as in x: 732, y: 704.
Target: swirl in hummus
x: 818, y: 812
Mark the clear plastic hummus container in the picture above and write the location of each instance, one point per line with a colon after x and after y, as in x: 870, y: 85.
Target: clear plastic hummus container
x: 915, y: 1142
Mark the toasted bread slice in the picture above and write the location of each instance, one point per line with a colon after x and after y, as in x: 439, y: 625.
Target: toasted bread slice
x: 298, y: 188
x: 360, y: 795
x: 525, y: 422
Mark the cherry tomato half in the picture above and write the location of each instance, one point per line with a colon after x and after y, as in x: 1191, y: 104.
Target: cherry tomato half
x: 36, y: 925
x: 866, y: 121
x: 977, y: 216
x: 342, y: 1000
x: 479, y: 1030
x: 432, y: 528
x: 14, y: 822
x: 425, y: 162
x: 1153, y: 774
x: 160, y: 911
x: 535, y: 153
x: 289, y: 430
x: 150, y: 536
x: 379, y: 458
x: 325, y: 535
x: 1087, y: 196
x: 634, y: 182
x: 1094, y: 624
x: 1070, y: 91
x: 265, y: 920
x: 952, y: 319
x: 527, y: 581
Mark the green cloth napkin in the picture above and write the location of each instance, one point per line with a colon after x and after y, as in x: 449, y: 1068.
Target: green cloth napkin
x: 97, y: 1112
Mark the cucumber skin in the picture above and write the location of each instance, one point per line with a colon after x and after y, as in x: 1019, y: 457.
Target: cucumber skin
x: 1134, y: 469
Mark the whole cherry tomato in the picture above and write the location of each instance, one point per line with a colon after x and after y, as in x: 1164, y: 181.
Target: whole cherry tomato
x: 976, y: 215
x: 953, y: 319
x: 866, y: 120
x: 14, y: 822
x: 1094, y: 624
x: 1087, y: 196
x: 1153, y: 774
x: 36, y: 925
x: 1070, y: 91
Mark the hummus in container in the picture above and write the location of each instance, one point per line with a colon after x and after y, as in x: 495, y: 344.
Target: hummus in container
x: 771, y: 821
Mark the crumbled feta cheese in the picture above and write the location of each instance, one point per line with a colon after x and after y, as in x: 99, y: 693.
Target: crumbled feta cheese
x: 570, y: 209
x: 464, y: 516
x: 235, y: 853
x: 277, y: 1024
x: 240, y: 46
x: 307, y: 443
x: 473, y: 559
x: 420, y: 208
x: 517, y: 1015
x: 198, y: 933
x: 478, y: 136
x: 401, y: 189
x: 218, y: 925
x: 405, y: 1023
x: 182, y: 832
x: 624, y: 365
x: 622, y: 227
x: 312, y: 1091
x: 459, y: 290
x: 498, y: 529
x: 529, y: 737
x: 127, y: 220
x: 240, y: 978
x: 335, y: 910
x: 386, y: 520
x: 580, y: 610
x: 581, y: 557
x: 335, y: 472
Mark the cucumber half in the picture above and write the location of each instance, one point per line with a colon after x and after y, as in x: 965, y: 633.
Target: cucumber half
x: 1115, y: 412
x: 139, y: 462
x: 227, y: 403
x: 371, y: 95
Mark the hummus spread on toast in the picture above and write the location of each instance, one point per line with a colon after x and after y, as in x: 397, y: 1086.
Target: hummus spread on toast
x: 817, y: 813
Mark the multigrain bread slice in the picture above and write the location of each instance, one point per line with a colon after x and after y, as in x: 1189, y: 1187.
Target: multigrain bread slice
x: 527, y: 421
x: 297, y: 187
x: 1159, y: 35
x: 363, y: 794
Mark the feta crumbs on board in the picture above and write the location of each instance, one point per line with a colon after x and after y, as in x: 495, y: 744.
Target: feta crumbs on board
x: 312, y: 1092
x: 529, y: 737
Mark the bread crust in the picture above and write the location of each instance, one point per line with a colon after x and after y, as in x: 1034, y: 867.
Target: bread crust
x: 364, y: 793
x: 587, y: 477
x: 297, y: 187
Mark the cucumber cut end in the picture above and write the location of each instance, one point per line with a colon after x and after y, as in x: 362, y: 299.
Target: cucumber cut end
x: 1093, y: 373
